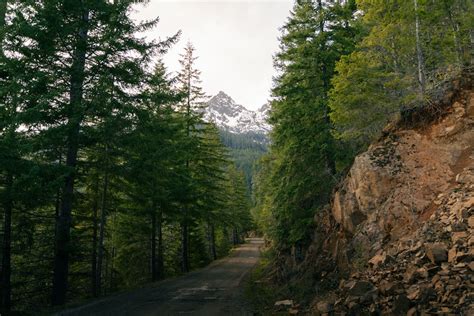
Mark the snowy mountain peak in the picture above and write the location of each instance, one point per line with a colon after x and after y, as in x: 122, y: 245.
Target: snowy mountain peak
x: 223, y: 96
x: 264, y: 108
x: 235, y: 118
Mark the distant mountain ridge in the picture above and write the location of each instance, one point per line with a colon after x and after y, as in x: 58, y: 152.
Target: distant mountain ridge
x: 243, y: 131
x: 235, y: 118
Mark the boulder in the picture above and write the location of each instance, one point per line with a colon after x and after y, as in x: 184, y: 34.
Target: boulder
x: 470, y: 221
x: 465, y: 256
x: 412, y: 311
x: 378, y: 259
x: 401, y: 305
x: 325, y: 307
x: 457, y: 237
x: 410, y: 275
x: 471, y: 265
x: 452, y: 254
x: 389, y: 287
x: 437, y: 252
x: 469, y: 203
x: 459, y: 227
x: 422, y: 273
x: 360, y: 288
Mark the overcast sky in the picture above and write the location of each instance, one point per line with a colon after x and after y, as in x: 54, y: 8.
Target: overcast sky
x: 234, y: 39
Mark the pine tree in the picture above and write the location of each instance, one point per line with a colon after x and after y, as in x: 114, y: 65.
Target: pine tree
x: 192, y: 107
x: 153, y: 151
x: 62, y: 97
x: 10, y: 157
x: 408, y: 50
x: 314, y: 38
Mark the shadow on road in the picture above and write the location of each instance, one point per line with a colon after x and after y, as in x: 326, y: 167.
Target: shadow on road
x: 214, y: 290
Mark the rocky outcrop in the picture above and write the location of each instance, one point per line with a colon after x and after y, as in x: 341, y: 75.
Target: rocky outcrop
x: 399, y: 235
x: 393, y: 185
x: 427, y: 272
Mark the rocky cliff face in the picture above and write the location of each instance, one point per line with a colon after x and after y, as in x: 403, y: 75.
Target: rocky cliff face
x: 395, y: 185
x: 407, y: 206
x: 398, y: 237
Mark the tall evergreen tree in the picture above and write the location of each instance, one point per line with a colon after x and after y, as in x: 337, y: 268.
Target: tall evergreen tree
x: 70, y: 47
x: 192, y: 107
x: 409, y: 48
x: 100, y: 157
x: 314, y: 38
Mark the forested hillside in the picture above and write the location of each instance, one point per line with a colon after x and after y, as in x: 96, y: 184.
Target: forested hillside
x: 246, y: 150
x: 243, y: 131
x: 109, y: 176
x: 346, y: 69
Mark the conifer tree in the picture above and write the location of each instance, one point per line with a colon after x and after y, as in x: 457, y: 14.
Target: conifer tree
x: 154, y: 148
x: 192, y: 107
x: 100, y: 159
x: 314, y: 38
x: 99, y: 37
x: 10, y: 157
x: 381, y: 76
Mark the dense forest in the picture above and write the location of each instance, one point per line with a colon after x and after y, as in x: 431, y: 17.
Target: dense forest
x: 246, y: 150
x: 346, y: 69
x: 109, y: 177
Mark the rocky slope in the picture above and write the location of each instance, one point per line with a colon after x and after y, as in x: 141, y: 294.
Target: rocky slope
x: 406, y: 209
x: 235, y: 118
x: 398, y: 237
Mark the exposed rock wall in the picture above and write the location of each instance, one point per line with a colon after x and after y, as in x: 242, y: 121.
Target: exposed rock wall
x: 403, y: 236
x: 391, y: 188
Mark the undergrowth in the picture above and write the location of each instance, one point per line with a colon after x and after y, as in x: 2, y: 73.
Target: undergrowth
x: 262, y: 293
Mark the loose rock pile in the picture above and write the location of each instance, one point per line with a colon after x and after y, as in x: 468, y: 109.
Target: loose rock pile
x: 428, y: 272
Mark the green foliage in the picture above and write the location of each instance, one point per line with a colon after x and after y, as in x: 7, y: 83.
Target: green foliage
x: 245, y: 149
x: 362, y: 83
x: 345, y: 70
x: 103, y: 157
x: 301, y: 168
x: 383, y: 74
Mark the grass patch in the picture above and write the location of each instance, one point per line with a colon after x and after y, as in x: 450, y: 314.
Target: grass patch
x: 259, y: 292
x: 262, y: 293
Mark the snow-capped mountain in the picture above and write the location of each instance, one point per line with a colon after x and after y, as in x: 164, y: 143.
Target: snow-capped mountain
x: 234, y: 117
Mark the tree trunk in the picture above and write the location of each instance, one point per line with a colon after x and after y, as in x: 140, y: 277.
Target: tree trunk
x: 157, y: 264
x: 75, y: 116
x: 160, y: 263
x: 6, y: 258
x: 103, y: 217
x: 153, y: 244
x: 328, y: 152
x: 112, y: 270
x: 235, y: 236
x: 212, y: 239
x: 419, y: 52
x: 184, y: 247
x: 95, y: 207
x: 105, y: 279
x: 57, y: 205
x: 209, y: 239
x: 5, y: 273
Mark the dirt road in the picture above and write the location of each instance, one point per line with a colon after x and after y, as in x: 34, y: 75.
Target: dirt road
x: 214, y: 290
